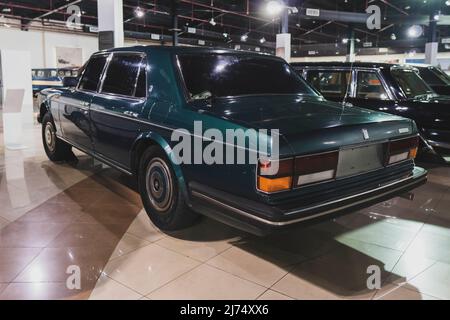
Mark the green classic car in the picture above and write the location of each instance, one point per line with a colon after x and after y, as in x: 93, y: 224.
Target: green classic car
x: 162, y: 115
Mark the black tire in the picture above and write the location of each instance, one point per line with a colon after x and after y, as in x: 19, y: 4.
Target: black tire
x: 164, y: 202
x: 56, y: 149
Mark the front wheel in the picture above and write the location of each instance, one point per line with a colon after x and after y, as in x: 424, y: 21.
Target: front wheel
x: 160, y: 193
x: 56, y: 149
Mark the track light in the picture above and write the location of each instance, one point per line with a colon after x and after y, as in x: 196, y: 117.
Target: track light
x: 244, y: 37
x: 274, y: 7
x: 212, y: 22
x: 393, y: 36
x: 139, y: 13
x: 415, y: 31
x: 262, y: 40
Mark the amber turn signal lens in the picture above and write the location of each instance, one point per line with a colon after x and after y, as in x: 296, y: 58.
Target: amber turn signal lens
x: 274, y: 185
x: 413, y: 153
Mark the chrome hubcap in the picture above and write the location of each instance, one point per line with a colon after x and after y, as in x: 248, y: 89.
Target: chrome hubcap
x: 159, y: 185
x: 50, y: 139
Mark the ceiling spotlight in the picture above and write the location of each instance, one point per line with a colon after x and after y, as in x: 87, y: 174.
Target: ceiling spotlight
x: 244, y: 37
x: 345, y: 40
x: 436, y: 17
x: 415, y: 31
x: 212, y: 22
x: 139, y: 13
x: 447, y: 3
x: 274, y: 7
x: 393, y: 36
x: 225, y: 35
x: 262, y: 40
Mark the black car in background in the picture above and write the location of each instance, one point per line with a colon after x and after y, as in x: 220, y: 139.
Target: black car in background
x: 395, y: 89
x: 437, y: 79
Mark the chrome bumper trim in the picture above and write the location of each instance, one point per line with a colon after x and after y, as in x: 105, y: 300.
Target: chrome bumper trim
x: 403, y: 183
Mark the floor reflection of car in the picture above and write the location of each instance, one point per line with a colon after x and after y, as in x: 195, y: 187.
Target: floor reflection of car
x: 394, y: 89
x: 130, y: 103
x: 50, y: 78
x: 437, y: 79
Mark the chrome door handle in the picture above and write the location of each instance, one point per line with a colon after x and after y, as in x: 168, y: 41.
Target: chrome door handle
x: 131, y: 114
x: 85, y: 104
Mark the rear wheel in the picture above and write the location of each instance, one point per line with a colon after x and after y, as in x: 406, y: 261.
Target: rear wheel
x: 55, y: 148
x: 160, y: 193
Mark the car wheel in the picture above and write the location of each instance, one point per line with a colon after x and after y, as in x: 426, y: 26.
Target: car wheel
x: 56, y: 149
x: 160, y: 193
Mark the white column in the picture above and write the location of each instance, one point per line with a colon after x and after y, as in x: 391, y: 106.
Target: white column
x: 284, y: 46
x: 17, y: 104
x: 431, y: 53
x: 110, y: 18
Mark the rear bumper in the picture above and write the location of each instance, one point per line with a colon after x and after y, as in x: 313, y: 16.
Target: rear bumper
x: 246, y: 214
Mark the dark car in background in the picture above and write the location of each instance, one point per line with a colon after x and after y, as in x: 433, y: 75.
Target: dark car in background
x: 129, y: 102
x: 395, y: 89
x: 437, y: 79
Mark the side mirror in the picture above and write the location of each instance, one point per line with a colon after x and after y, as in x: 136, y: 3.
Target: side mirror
x: 70, y: 82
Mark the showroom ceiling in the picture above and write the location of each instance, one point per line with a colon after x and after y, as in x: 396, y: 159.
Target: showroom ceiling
x: 224, y: 23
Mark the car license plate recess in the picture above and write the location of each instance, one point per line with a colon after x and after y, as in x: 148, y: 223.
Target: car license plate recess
x: 357, y: 160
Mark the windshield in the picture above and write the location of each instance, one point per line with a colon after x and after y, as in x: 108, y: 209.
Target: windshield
x: 226, y: 75
x: 435, y: 76
x: 411, y: 83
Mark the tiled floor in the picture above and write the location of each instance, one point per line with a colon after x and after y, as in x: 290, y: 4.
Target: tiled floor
x: 56, y: 216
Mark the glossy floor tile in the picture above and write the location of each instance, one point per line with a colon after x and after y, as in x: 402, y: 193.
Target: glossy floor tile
x: 78, y: 231
x: 148, y: 268
x: 208, y: 283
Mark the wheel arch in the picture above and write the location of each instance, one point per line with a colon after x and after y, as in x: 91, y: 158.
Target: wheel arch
x: 149, y: 139
x: 43, y: 109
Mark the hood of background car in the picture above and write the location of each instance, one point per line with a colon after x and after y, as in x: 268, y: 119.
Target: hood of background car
x: 311, y: 123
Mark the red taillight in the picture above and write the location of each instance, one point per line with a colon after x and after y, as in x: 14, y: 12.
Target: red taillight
x: 401, y: 150
x: 283, y: 175
x: 316, y: 168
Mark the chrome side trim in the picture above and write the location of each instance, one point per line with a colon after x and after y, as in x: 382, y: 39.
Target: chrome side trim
x: 286, y: 223
x: 438, y: 144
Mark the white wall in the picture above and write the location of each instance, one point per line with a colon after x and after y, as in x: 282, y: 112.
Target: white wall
x: 42, y: 44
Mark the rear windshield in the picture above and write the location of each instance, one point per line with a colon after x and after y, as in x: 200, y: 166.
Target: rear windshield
x: 227, y: 75
x: 411, y: 83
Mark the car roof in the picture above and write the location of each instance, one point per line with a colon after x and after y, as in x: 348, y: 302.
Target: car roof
x: 191, y: 50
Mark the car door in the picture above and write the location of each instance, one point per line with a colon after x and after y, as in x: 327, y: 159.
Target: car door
x: 118, y: 107
x: 332, y: 84
x: 74, y: 105
x: 371, y: 92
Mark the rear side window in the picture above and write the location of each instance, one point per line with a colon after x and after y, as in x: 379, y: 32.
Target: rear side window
x: 122, y: 75
x: 332, y: 84
x: 370, y: 86
x: 92, y: 74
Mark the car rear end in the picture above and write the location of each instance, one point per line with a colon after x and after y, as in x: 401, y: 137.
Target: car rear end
x: 313, y: 185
